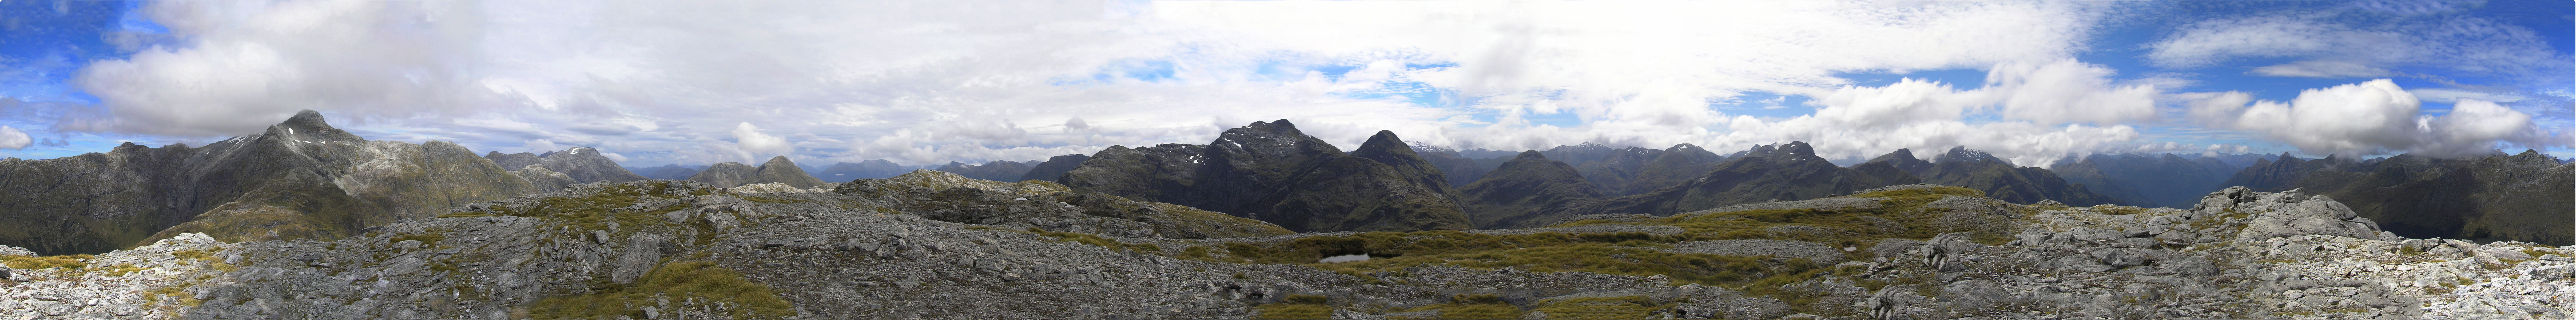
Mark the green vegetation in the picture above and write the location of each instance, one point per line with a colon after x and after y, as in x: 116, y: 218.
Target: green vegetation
x: 676, y: 281
x: 1298, y: 307
x: 122, y: 269
x: 1628, y: 307
x: 1473, y: 306
x: 74, y: 261
x: 607, y: 204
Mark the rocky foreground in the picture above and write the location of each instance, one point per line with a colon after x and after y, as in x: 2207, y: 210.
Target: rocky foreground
x: 932, y: 245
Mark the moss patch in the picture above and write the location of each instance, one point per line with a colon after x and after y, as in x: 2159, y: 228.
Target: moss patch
x: 675, y: 281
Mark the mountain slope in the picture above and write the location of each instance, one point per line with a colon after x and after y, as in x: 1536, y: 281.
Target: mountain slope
x: 1272, y: 172
x: 777, y: 170
x: 666, y: 172
x: 300, y: 178
x: 582, y: 164
x: 1529, y: 191
x: 2163, y: 180
x: 2000, y: 179
x: 2521, y: 197
x: 1053, y: 168
x: 871, y: 169
x: 995, y: 170
x: 1765, y: 173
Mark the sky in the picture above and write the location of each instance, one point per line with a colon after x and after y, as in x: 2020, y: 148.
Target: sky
x: 924, y: 83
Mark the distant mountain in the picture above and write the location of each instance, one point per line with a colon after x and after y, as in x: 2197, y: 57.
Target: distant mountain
x: 1671, y: 166
x: 1999, y: 178
x: 996, y: 170
x: 1459, y: 168
x: 1053, y: 168
x: 2162, y: 180
x: 2523, y: 196
x: 667, y: 172
x: 777, y: 170
x: 1528, y: 191
x: 582, y: 164
x: 298, y: 179
x: 871, y: 169
x: 1272, y: 172
x: 1781, y: 172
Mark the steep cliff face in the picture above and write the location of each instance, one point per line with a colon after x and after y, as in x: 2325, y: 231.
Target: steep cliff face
x: 1529, y: 191
x: 2501, y: 197
x: 1765, y: 173
x: 299, y: 179
x: 1272, y: 172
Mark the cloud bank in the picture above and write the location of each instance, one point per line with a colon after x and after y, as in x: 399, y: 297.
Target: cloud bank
x: 2374, y: 117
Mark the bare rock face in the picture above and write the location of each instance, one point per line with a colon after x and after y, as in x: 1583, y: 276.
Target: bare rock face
x: 300, y: 178
x: 545, y: 180
x: 582, y: 164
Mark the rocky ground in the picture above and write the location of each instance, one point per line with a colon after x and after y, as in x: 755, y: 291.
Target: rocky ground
x: 928, y: 246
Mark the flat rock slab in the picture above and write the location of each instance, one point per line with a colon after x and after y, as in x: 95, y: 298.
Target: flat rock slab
x: 1838, y: 203
x: 1820, y: 253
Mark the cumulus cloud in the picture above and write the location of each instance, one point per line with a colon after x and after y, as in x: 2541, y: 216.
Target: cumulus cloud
x: 2371, y: 118
x: 12, y: 139
x: 2320, y: 69
x: 756, y: 146
x: 969, y: 81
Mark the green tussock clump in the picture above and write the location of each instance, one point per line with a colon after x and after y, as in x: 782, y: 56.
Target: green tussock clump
x: 74, y: 261
x: 676, y: 281
x: 1297, y: 307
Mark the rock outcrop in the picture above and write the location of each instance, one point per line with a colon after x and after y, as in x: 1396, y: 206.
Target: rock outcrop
x: 300, y: 178
x: 884, y: 249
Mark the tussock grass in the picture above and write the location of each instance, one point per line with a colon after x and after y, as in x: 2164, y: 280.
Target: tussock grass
x: 1628, y: 307
x: 73, y: 261
x: 677, y: 281
x: 1297, y: 307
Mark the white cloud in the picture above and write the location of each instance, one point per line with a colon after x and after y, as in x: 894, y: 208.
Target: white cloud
x: 541, y: 146
x: 2371, y: 118
x: 2330, y: 43
x: 2456, y: 95
x: 756, y: 146
x: 969, y: 81
x: 2069, y: 91
x: 12, y: 139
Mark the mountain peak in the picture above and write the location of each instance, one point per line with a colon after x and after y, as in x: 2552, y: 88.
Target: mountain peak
x: 307, y: 119
x: 1798, y: 149
x: 778, y: 161
x: 1963, y: 154
x: 1901, y: 154
x: 1530, y: 155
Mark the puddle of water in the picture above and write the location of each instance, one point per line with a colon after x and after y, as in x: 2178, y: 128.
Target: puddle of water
x: 1346, y: 258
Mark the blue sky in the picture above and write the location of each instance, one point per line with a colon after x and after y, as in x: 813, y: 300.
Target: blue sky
x: 694, y: 82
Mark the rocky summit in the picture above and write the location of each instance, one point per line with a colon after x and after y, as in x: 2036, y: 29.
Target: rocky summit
x: 1272, y: 172
x: 301, y: 178
x: 933, y: 245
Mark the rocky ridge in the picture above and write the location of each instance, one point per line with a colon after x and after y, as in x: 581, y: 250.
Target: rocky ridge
x: 619, y: 250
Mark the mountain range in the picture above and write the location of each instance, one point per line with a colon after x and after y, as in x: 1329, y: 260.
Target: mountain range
x: 304, y: 179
